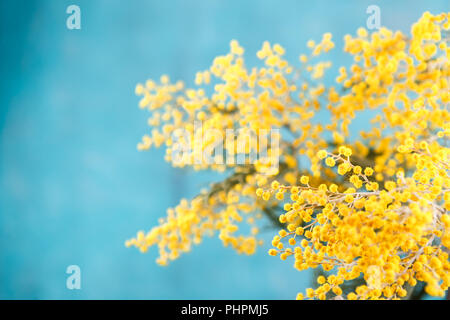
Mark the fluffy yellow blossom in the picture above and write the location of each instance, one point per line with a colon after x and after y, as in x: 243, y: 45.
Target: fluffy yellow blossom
x: 322, y: 154
x: 372, y: 207
x: 304, y: 179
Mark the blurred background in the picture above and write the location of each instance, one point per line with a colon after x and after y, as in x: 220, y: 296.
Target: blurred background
x: 73, y: 187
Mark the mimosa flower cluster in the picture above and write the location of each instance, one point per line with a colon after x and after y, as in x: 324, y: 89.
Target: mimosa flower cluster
x: 372, y: 206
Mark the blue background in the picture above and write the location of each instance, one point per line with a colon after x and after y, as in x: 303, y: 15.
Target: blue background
x: 73, y: 186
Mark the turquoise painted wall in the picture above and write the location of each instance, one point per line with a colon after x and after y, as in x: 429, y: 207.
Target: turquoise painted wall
x: 72, y: 185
